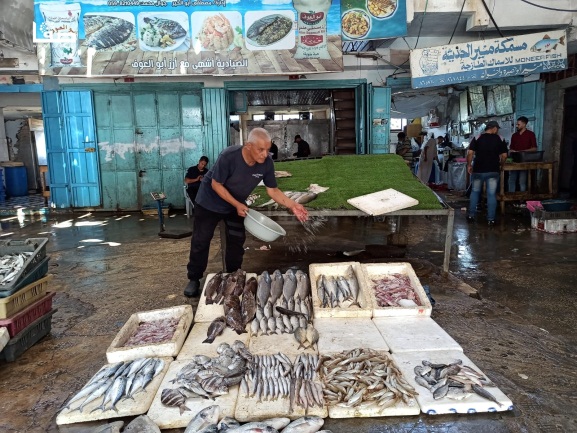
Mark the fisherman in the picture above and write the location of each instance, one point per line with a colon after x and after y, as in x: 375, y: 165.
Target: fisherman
x: 303, y: 150
x: 523, y: 140
x: 223, y: 191
x: 194, y: 176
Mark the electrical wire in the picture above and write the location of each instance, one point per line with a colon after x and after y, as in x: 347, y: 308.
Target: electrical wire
x: 421, y: 26
x: 548, y: 7
x: 492, y: 19
x: 457, y: 23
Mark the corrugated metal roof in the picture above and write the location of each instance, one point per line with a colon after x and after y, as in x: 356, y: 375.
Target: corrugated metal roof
x: 287, y: 97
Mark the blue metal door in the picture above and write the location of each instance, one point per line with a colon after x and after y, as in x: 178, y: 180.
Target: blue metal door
x: 216, y: 121
x: 71, y: 148
x: 380, y: 119
x: 529, y: 102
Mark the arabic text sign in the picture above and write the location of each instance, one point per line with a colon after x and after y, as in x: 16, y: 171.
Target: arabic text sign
x: 187, y: 37
x: 489, y: 59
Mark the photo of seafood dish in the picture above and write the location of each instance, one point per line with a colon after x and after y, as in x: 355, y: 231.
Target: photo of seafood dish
x: 355, y: 23
x: 162, y: 31
x: 269, y: 29
x: 217, y: 31
x: 112, y: 32
x: 381, y: 8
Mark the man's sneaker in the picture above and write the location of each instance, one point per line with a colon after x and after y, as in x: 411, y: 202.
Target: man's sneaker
x: 470, y: 219
x: 491, y: 223
x: 192, y: 289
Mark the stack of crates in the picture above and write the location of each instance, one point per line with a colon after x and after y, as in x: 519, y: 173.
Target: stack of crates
x: 554, y: 222
x: 25, y: 305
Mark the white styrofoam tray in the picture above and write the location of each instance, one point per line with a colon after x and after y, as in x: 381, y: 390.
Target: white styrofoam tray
x: 399, y: 409
x: 127, y: 407
x: 251, y: 409
x: 4, y: 337
x: 206, y: 312
x: 414, y: 334
x: 117, y: 352
x: 378, y: 270
x: 167, y: 417
x: 381, y: 202
x: 337, y: 335
x: 336, y: 269
x: 194, y: 342
x: 473, y: 404
x: 284, y: 343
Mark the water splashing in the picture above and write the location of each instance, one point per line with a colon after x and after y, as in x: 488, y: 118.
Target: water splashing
x: 299, y: 241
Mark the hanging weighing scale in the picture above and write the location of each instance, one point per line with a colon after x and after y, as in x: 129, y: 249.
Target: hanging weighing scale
x: 159, y: 197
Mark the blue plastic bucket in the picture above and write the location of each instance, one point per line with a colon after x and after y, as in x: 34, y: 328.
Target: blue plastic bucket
x: 16, y: 181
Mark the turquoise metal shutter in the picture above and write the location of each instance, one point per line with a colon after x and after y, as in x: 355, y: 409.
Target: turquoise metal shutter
x: 529, y: 102
x: 216, y: 121
x: 380, y: 119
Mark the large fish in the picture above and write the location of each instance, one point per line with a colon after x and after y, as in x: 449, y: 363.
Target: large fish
x: 290, y: 285
x: 251, y: 286
x: 263, y: 289
x: 353, y: 285
x: 215, y: 329
x: 232, y: 313
x: 303, y: 284
x: 276, y: 286
x: 207, y: 416
x: 307, y: 424
x: 240, y: 276
x: 212, y: 287
x: 230, y: 284
x: 247, y: 306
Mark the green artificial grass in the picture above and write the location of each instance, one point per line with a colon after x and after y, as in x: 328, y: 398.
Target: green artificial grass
x: 351, y: 176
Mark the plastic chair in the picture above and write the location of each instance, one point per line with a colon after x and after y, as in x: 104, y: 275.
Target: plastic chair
x: 188, y: 203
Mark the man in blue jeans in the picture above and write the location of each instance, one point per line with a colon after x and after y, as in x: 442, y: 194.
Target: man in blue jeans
x: 485, y: 158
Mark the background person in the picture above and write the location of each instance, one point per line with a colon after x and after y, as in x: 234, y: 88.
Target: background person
x: 194, y: 176
x: 486, y: 156
x: 428, y: 156
x: 303, y: 148
x: 404, y: 148
x: 223, y: 191
x: 274, y: 151
x: 521, y: 141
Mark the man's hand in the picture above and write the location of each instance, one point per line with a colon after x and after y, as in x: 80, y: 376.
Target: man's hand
x: 242, y: 210
x: 470, y: 169
x: 299, y: 211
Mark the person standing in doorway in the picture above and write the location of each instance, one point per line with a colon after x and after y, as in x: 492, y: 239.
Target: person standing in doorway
x: 223, y: 191
x: 428, y: 155
x: 194, y: 176
x: 522, y: 141
x: 303, y: 149
x: 485, y: 158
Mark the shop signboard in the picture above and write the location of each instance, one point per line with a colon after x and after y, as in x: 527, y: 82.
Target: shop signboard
x: 489, y: 59
x: 373, y: 19
x: 187, y: 37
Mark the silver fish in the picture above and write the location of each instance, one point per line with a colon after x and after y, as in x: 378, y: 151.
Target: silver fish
x: 276, y: 286
x: 353, y: 285
x: 290, y: 285
x: 479, y: 390
x: 227, y: 423
x: 277, y: 423
x: 263, y: 288
x: 253, y: 427
x: 301, y: 336
x: 307, y: 424
x: 207, y: 416
x: 118, y: 389
x: 303, y: 284
x: 312, y: 335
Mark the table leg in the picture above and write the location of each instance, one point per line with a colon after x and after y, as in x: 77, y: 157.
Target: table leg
x: 529, y: 174
x: 448, y: 241
x: 550, y: 171
x: 502, y: 188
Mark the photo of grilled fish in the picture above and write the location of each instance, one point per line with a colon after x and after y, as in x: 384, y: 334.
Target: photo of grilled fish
x: 268, y: 30
x: 104, y: 31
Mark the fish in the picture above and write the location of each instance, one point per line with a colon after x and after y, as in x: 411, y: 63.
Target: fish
x: 277, y: 423
x: 211, y: 428
x: 254, y: 327
x: 547, y: 44
x: 264, y: 288
x: 227, y: 423
x: 207, y: 416
x: 288, y: 312
x: 307, y: 424
x: 215, y: 329
x: 96, y: 394
x: 290, y: 285
x: 232, y: 313
x: 312, y: 335
x: 251, y: 286
x: 114, y: 32
x: 269, y: 29
x: 247, y: 307
x: 300, y: 336
x: 277, y: 282
x: 173, y: 398
x: 212, y: 287
x: 240, y: 276
x: 303, y: 284
x: 253, y: 427
x: 479, y: 390
x: 166, y: 27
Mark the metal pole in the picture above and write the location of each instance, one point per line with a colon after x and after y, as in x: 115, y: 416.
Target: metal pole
x: 448, y: 241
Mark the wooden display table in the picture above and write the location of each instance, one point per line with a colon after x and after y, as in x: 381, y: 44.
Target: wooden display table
x: 526, y: 195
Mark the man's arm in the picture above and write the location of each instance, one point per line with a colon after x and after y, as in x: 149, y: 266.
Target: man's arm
x: 297, y: 209
x: 470, y: 155
x: 502, y: 159
x: 533, y: 142
x: 220, y: 189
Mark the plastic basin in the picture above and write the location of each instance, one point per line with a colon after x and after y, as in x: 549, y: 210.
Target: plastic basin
x: 262, y: 227
x: 556, y: 205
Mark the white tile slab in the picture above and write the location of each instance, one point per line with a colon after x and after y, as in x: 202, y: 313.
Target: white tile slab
x: 336, y: 269
x: 194, y: 342
x: 381, y: 202
x: 169, y: 417
x: 4, y: 337
x: 336, y: 335
x: 473, y: 404
x: 117, y: 352
x: 414, y: 334
x: 270, y: 344
x: 127, y: 407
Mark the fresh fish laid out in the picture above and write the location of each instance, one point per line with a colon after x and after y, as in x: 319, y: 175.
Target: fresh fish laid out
x: 269, y: 29
x: 117, y: 382
x: 11, y: 264
x: 206, y: 417
x: 338, y: 291
x: 390, y: 290
x: 271, y: 377
x: 156, y: 331
x: 301, y: 197
x: 309, y: 335
x: 364, y: 377
x: 454, y: 381
x: 206, y: 377
x: 215, y: 329
x: 283, y: 303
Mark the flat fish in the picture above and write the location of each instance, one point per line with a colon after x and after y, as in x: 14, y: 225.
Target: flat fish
x: 215, y: 329
x: 207, y: 416
x: 301, y: 336
x: 114, y: 32
x: 263, y: 289
x: 232, y: 313
x: 303, y: 284
x: 290, y: 285
x: 212, y: 287
x: 166, y: 27
x: 276, y: 286
x: 173, y: 398
x: 248, y: 307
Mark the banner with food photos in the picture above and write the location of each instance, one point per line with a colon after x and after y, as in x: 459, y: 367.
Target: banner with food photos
x: 115, y: 38
x: 373, y: 19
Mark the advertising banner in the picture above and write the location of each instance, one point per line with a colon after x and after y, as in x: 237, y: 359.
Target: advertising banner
x: 489, y: 59
x: 373, y: 19
x: 187, y: 37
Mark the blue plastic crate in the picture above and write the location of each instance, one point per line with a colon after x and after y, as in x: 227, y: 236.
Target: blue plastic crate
x: 39, y: 271
x: 28, y: 337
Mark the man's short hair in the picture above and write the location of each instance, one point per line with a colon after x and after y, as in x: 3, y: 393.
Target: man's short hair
x: 401, y: 135
x: 523, y: 119
x: 203, y: 158
x: 258, y: 133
